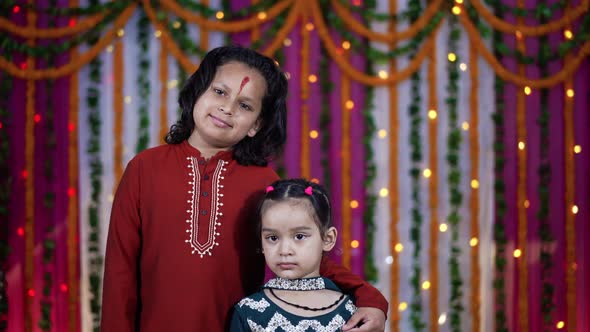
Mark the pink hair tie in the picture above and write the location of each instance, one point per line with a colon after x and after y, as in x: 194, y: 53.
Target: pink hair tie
x: 269, y: 189
x: 309, y: 190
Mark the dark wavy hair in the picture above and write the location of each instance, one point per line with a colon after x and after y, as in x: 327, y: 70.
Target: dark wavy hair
x: 270, y: 138
x: 283, y: 190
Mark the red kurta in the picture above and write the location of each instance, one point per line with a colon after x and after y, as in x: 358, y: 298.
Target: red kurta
x: 181, y: 244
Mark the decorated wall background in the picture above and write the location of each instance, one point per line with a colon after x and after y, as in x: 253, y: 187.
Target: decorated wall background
x: 453, y: 136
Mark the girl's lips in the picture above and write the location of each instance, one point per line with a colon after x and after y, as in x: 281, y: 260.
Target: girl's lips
x: 220, y: 123
x: 287, y: 266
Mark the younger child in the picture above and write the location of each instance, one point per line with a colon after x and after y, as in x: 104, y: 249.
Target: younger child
x: 295, y: 227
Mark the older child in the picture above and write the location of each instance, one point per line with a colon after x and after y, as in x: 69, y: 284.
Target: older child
x: 296, y: 230
x: 181, y: 246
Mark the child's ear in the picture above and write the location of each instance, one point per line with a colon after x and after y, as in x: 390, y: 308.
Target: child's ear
x: 330, y: 239
x: 252, y: 132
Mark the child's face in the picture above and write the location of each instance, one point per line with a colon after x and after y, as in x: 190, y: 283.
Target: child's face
x: 291, y: 240
x: 229, y: 109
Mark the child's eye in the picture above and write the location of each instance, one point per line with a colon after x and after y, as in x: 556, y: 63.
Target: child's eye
x: 300, y: 236
x: 272, y: 238
x: 245, y: 106
x: 218, y: 91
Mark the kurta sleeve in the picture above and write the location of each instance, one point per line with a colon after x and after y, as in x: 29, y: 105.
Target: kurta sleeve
x: 120, y: 289
x: 238, y: 321
x: 364, y: 293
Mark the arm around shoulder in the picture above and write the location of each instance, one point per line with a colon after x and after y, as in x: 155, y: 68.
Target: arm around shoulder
x: 364, y: 293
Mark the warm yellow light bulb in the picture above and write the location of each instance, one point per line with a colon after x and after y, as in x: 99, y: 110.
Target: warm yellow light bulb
x: 382, y: 133
x: 577, y: 149
x: 568, y: 34
x: 452, y: 57
x: 465, y: 125
x: 569, y: 93
x: 176, y: 24
x: 354, y: 244
x: 219, y: 15
x: 120, y: 32
x: 426, y: 285
x: 346, y: 45
x: 463, y: 67
x: 575, y: 209
x: 474, y: 184
x: 287, y: 42
x: 442, y: 319
x: 443, y: 227
x: 517, y: 253
x: 127, y: 99
x: 349, y: 104
x: 158, y: 33
x: 309, y: 26
x: 473, y: 242
x: 354, y: 204
x: 262, y: 16
x: 383, y: 192
x: 527, y: 90
x: 560, y: 324
x: 312, y: 78
x: 172, y: 84
x: 527, y: 203
x: 521, y: 145
x: 432, y: 114
x: 456, y: 10
x: 110, y: 48
x: 383, y: 74
x: 427, y: 173
x: 402, y: 306
x: 399, y: 247
x: 313, y: 134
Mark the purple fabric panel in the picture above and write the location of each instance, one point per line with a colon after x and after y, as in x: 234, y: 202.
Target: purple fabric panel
x: 335, y: 152
x: 582, y: 196
x: 511, y: 185
x: 533, y: 110
x: 358, y: 170
x: 61, y: 157
x: 314, y: 103
x: 292, y: 154
x: 16, y: 259
x: 557, y: 186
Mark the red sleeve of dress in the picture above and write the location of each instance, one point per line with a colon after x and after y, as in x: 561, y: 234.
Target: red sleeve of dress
x: 364, y: 293
x: 120, y: 289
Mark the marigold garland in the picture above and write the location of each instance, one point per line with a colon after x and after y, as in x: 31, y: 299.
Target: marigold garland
x: 570, y: 216
x: 29, y: 291
x: 416, y: 26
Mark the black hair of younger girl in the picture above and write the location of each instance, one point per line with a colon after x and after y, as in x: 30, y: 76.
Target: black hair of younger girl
x: 271, y: 136
x: 283, y: 190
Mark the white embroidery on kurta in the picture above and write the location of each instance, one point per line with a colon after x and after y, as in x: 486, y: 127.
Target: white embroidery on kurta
x: 259, y: 306
x: 280, y: 321
x: 194, y: 193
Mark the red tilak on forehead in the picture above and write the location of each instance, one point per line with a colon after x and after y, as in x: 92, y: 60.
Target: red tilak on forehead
x: 244, y: 82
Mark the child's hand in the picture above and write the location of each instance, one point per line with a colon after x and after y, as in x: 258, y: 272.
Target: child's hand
x: 366, y: 319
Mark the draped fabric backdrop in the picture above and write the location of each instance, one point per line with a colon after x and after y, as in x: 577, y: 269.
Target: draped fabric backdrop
x: 452, y: 135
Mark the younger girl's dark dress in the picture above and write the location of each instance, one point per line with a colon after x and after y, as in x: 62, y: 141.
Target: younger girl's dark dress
x: 258, y: 312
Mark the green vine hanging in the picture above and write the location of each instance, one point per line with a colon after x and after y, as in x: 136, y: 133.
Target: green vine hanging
x: 544, y: 173
x: 95, y: 258
x: 416, y: 158
x: 454, y: 178
x: 143, y: 82
x: 370, y: 269
x: 500, y: 206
